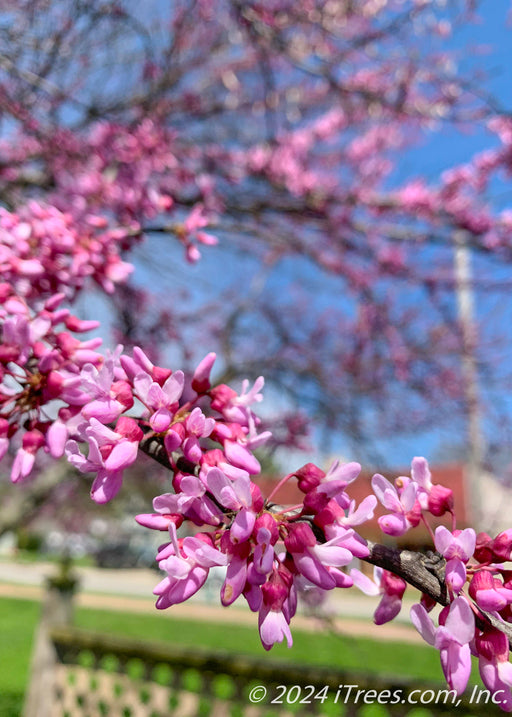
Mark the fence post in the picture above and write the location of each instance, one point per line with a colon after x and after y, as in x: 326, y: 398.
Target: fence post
x: 57, y: 609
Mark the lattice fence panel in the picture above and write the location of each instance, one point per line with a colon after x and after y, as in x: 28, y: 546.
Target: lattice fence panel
x: 101, y: 676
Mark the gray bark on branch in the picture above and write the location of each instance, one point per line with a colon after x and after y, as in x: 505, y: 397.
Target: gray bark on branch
x: 416, y: 569
x: 152, y: 445
x: 412, y: 567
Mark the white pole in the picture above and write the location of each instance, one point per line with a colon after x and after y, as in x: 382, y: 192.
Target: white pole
x: 465, y: 304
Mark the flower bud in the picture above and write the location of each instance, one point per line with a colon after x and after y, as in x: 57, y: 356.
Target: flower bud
x: 502, y: 545
x: 492, y: 644
x: 329, y: 514
x: 267, y: 521
x: 130, y: 429
x: 77, y: 325
x: 300, y: 536
x: 122, y: 392
x: 257, y: 498
x: 392, y: 584
x: 309, y: 477
x: 483, y: 549
x: 201, y: 377
x: 221, y: 395
x: 440, y: 500
x: 314, y: 502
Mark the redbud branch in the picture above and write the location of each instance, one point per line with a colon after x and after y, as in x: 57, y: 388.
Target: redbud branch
x: 153, y: 447
x: 408, y: 565
x: 411, y: 567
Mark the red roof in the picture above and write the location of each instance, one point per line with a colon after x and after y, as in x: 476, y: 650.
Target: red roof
x: 450, y: 475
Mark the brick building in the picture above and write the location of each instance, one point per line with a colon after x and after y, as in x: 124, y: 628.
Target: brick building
x: 450, y: 475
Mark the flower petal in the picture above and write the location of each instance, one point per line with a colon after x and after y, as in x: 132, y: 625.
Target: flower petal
x: 423, y: 623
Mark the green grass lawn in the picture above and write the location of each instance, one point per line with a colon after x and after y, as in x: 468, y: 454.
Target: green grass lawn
x: 321, y: 648
x: 18, y: 620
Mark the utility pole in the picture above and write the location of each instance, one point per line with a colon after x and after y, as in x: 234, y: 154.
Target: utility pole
x: 465, y: 305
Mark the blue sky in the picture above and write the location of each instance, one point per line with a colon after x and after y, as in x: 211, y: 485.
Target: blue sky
x: 447, y: 147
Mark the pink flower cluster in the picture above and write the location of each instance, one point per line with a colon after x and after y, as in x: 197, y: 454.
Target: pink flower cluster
x: 409, y: 497
x: 43, y: 252
x: 59, y: 395
x: 191, y: 233
x: 272, y: 553
x: 169, y: 410
x: 269, y: 553
x: 40, y: 365
x: 105, y: 184
x: 475, y: 576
